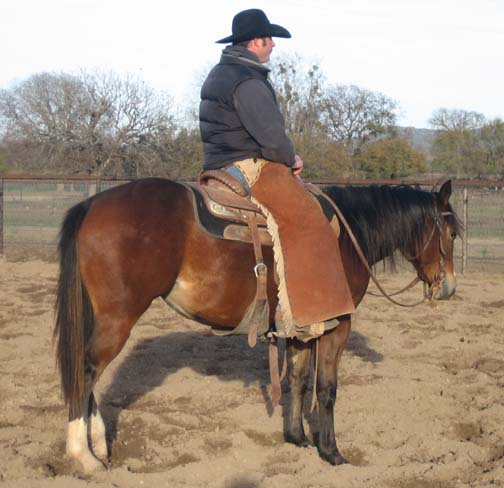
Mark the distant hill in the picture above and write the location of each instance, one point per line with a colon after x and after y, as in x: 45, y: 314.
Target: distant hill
x: 419, y: 138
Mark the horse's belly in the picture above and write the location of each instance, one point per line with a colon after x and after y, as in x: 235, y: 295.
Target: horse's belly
x: 181, y: 298
x: 197, y: 301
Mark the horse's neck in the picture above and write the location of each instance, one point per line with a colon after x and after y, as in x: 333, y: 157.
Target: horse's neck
x: 385, y: 244
x: 382, y: 255
x: 384, y: 220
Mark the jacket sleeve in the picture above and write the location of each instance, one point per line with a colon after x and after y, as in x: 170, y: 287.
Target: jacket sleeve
x: 259, y: 114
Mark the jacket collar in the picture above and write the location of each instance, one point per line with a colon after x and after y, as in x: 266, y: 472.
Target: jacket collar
x: 242, y: 55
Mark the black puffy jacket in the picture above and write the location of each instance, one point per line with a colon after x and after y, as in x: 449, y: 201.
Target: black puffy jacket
x: 225, y: 139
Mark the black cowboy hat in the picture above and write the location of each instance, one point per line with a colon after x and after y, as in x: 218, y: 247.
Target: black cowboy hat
x: 251, y: 24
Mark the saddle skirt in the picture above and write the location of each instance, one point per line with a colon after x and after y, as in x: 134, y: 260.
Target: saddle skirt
x: 223, y: 209
x: 225, y: 215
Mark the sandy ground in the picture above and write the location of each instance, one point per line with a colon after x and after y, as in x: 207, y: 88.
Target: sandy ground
x: 420, y: 400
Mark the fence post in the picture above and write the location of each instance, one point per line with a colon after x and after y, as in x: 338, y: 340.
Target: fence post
x: 92, y: 188
x: 466, y: 230
x: 1, y: 217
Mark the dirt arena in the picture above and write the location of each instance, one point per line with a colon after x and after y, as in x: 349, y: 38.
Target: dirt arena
x: 420, y: 403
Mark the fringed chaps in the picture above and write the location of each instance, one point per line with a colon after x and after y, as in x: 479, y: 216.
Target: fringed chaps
x: 312, y: 282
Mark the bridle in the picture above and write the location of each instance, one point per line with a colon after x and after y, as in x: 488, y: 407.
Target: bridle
x: 430, y: 290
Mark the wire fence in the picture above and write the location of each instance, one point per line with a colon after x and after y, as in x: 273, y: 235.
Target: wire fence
x: 32, y: 209
x: 484, y: 226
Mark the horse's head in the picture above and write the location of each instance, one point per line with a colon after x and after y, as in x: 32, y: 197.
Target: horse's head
x: 434, y: 259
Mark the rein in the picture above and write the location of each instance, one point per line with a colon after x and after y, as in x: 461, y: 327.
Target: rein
x: 428, y: 294
x: 370, y: 271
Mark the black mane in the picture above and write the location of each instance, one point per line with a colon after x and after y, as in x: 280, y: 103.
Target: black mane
x: 386, y: 219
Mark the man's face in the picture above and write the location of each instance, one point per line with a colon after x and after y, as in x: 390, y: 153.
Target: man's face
x: 263, y: 48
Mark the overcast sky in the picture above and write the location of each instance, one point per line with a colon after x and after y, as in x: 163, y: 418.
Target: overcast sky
x: 425, y: 54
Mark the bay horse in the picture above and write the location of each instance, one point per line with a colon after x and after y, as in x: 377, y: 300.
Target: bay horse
x: 124, y: 247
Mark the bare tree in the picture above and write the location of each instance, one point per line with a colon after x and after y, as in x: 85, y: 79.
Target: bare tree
x: 444, y: 119
x: 299, y: 89
x: 91, y: 122
x: 43, y: 108
x: 492, y: 143
x: 354, y: 116
x: 321, y: 119
x: 472, y: 151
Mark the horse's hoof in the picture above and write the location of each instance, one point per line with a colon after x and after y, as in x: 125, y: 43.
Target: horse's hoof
x: 101, y: 452
x: 334, y: 458
x: 89, y: 464
x: 96, y: 466
x: 298, y: 440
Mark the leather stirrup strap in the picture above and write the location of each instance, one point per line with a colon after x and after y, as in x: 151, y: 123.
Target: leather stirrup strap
x: 261, y: 272
x: 256, y: 318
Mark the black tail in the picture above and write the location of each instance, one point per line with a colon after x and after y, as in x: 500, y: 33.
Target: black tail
x: 74, y: 312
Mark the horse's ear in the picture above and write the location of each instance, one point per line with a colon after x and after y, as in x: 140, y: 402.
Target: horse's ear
x: 445, y: 192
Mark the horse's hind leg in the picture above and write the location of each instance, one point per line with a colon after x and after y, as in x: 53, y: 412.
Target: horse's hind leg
x: 110, y: 335
x: 77, y: 436
x: 298, y: 358
x: 98, y: 431
x: 330, y: 349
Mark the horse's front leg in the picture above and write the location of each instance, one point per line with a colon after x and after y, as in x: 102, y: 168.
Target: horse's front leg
x: 330, y: 349
x: 298, y: 361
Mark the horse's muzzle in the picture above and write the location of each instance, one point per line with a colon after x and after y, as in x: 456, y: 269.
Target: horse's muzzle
x: 446, y: 287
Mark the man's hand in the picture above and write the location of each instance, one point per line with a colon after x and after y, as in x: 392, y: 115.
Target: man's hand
x: 298, y: 165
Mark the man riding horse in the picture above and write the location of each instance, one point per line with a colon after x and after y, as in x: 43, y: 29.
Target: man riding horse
x: 243, y: 133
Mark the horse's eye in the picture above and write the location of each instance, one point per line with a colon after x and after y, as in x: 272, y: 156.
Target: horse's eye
x: 453, y: 235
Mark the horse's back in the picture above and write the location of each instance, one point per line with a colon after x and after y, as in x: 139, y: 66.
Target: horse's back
x: 145, y: 192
